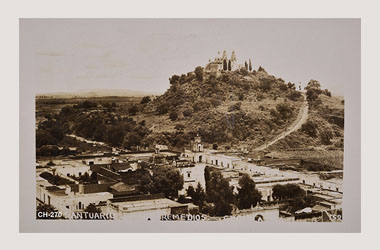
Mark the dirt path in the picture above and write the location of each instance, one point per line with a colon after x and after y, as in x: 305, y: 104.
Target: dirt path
x: 301, y: 119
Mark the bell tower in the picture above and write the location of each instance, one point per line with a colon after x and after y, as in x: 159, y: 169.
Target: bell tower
x: 233, y: 61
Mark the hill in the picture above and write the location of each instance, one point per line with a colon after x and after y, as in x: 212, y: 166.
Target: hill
x: 234, y: 109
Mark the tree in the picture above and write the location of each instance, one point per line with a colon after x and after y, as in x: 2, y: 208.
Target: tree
x: 287, y: 191
x: 182, y: 79
x: 133, y: 139
x: 133, y: 110
x: 285, y: 110
x: 326, y: 136
x: 173, y: 116
x: 145, y: 181
x: 215, y: 146
x: 250, y: 65
x: 145, y: 99
x: 220, y: 193
x: 91, y: 208
x: 207, y: 174
x: 310, y: 128
x: 85, y: 177
x: 93, y: 212
x: 248, y: 195
x: 44, y: 137
x: 167, y: 180
x: 58, y: 132
x: 313, y: 84
x: 116, y: 135
x: 229, y: 65
x: 291, y: 86
x: 94, y: 177
x: 327, y: 92
x: 225, y: 67
x: 198, y: 195
x: 100, y: 133
x: 266, y: 84
x: 190, y: 191
x: 261, y: 69
x: 187, y: 112
x: 294, y: 95
x: 312, y: 95
x: 212, y: 81
x: 244, y: 70
x: 174, y: 79
x: 199, y: 73
x: 246, y: 64
x: 163, y: 108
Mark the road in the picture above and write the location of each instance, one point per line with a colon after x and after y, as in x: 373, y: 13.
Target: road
x: 301, y: 119
x: 86, y: 140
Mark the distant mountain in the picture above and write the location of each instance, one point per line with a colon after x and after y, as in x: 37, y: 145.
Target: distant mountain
x: 99, y: 93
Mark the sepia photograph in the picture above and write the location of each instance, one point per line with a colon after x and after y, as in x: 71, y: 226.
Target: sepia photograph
x: 202, y: 120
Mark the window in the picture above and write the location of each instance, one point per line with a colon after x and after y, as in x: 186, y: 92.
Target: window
x: 188, y: 174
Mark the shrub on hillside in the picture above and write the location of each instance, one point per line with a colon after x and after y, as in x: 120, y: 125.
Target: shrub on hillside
x: 310, y: 128
x: 244, y: 71
x: 173, y: 116
x: 294, y: 95
x: 260, y: 97
x: 199, y: 73
x: 266, y: 84
x: 291, y: 86
x: 133, y: 110
x: 327, y: 92
x: 162, y: 108
x: 283, y: 87
x: 285, y: 110
x: 187, y: 112
x: 326, y: 136
x: 201, y: 105
x: 145, y: 99
x: 261, y: 69
x: 174, y: 79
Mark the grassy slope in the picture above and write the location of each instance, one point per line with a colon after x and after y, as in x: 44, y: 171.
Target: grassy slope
x: 300, y: 145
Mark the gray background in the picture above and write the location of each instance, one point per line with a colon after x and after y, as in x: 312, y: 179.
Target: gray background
x: 31, y: 83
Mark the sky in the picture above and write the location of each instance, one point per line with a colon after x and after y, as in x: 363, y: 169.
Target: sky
x: 69, y: 55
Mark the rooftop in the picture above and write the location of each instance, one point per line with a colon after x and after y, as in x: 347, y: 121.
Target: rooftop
x: 143, y: 205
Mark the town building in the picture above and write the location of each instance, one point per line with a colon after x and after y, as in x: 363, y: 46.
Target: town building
x: 144, y: 208
x: 66, y: 200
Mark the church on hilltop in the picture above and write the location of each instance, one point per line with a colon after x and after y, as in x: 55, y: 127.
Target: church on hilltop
x: 223, y: 63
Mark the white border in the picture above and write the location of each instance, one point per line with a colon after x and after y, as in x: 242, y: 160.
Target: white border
x: 10, y: 13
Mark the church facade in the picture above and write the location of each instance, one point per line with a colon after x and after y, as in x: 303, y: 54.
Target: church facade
x: 223, y: 63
